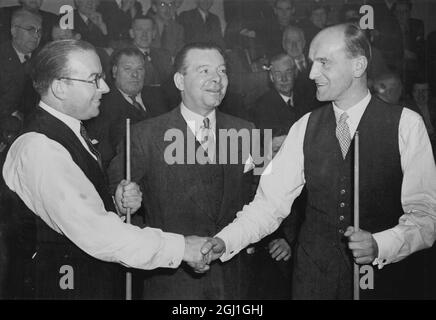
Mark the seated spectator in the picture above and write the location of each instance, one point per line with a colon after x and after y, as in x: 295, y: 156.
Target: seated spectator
x: 349, y: 12
x: 294, y: 45
x: 413, y: 40
x: 317, y: 20
x: 284, y: 11
x: 48, y: 18
x: 388, y: 87
x: 17, y: 96
x: 89, y: 23
x: 128, y: 98
x: 118, y: 16
x: 201, y: 25
x: 58, y: 33
x: 158, y: 62
x: 169, y: 33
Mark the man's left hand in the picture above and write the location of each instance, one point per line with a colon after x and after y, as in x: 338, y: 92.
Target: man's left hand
x: 363, y: 245
x: 128, y: 195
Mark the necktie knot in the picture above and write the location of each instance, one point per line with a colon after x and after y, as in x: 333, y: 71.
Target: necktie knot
x: 343, y: 134
x: 135, y: 103
x: 206, y: 123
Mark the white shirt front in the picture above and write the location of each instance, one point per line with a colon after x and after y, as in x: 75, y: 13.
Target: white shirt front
x: 195, y: 121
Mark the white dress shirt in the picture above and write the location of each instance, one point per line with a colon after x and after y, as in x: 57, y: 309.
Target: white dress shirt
x: 277, y: 190
x: 43, y: 174
x: 195, y: 121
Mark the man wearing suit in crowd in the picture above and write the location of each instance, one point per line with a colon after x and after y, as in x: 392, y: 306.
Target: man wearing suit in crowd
x: 48, y: 18
x: 317, y: 14
x: 16, y: 92
x: 158, y: 62
x: 201, y: 25
x: 397, y: 182
x: 89, y: 23
x: 294, y: 44
x: 128, y: 98
x: 118, y: 16
x: 169, y: 33
x: 55, y: 170
x: 195, y: 198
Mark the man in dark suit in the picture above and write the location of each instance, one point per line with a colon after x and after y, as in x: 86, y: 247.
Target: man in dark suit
x: 200, y: 190
x: 48, y: 18
x: 89, y: 23
x: 118, y: 16
x: 128, y: 99
x: 16, y: 91
x: 158, y: 62
x: 201, y: 25
x: 169, y: 33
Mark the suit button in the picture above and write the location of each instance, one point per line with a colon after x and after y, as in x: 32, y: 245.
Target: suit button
x: 341, y: 231
x: 343, y: 191
x: 342, y: 204
x: 341, y: 218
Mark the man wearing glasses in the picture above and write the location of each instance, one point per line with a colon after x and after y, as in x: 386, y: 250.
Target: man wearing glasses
x: 55, y: 170
x: 16, y: 92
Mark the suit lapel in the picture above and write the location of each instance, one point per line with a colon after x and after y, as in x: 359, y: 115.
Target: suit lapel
x: 185, y: 172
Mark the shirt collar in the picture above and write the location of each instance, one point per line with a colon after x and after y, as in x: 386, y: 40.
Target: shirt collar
x: 354, y: 113
x: 203, y: 14
x: 71, y: 122
x: 127, y: 97
x: 21, y: 55
x: 195, y: 120
x: 286, y: 98
x: 84, y: 18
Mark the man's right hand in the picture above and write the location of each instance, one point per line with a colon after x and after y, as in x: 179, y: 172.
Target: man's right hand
x: 213, y: 249
x: 193, y: 255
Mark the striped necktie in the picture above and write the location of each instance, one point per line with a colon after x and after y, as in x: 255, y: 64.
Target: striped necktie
x: 91, y: 147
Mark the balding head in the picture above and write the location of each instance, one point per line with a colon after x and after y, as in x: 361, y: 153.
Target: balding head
x: 340, y: 57
x: 26, y: 30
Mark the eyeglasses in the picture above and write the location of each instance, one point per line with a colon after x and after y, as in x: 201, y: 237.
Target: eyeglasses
x: 32, y: 30
x: 166, y: 4
x: 95, y: 81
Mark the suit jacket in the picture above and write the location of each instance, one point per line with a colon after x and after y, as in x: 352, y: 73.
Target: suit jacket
x: 16, y: 90
x: 171, y: 39
x: 92, y: 33
x: 109, y: 126
x: 176, y: 201
x: 117, y: 21
x: 197, y: 30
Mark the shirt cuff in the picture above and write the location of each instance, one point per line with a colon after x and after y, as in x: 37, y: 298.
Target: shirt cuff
x: 387, y: 247
x: 230, y: 250
x: 172, y: 254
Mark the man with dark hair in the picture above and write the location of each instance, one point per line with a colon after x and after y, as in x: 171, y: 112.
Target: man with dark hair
x: 397, y: 182
x: 56, y: 171
x: 201, y: 25
x: 197, y: 197
x: 129, y: 98
x: 157, y: 60
x: 17, y: 96
x: 317, y: 15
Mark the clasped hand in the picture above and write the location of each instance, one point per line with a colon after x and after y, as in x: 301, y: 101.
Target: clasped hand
x: 200, y: 252
x: 128, y: 196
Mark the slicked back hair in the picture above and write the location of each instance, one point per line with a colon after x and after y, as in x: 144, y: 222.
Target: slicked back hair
x: 52, y: 63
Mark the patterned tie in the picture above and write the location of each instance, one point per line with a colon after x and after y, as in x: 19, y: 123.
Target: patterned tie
x: 93, y: 150
x: 206, y: 138
x: 136, y: 104
x: 343, y: 133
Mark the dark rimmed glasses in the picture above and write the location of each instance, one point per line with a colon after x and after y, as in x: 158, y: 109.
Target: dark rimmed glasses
x: 96, y: 81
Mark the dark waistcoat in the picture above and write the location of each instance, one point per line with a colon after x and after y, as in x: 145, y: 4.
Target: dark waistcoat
x: 92, y: 278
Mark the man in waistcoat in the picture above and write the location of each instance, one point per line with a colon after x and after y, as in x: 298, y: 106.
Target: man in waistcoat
x: 56, y: 171
x: 397, y: 182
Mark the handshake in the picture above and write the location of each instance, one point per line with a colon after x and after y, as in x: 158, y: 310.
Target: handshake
x: 200, y: 252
